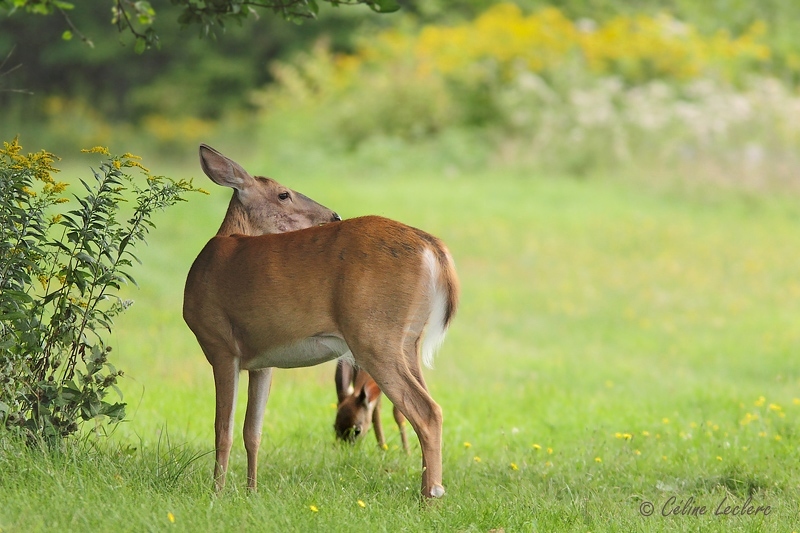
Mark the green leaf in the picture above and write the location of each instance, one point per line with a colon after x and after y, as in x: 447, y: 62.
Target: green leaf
x: 140, y: 46
x: 384, y: 6
x: 85, y: 258
x: 67, y: 35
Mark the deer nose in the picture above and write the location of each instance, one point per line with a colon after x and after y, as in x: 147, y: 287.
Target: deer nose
x: 336, y: 217
x: 356, y: 430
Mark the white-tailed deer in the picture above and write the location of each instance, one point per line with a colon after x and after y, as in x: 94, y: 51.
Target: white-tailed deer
x: 359, y: 403
x: 257, y: 299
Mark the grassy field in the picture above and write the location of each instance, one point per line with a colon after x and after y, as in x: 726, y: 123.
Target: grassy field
x: 620, y: 349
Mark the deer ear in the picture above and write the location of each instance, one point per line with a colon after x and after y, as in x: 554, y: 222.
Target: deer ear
x: 344, y: 380
x: 372, y: 390
x: 221, y: 170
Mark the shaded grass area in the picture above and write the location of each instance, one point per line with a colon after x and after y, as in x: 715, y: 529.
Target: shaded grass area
x: 616, y: 344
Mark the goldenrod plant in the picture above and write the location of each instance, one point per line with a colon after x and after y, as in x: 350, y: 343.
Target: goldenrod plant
x: 63, y: 261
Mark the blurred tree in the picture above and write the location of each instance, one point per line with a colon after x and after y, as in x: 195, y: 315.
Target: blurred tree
x: 186, y: 76
x: 137, y: 17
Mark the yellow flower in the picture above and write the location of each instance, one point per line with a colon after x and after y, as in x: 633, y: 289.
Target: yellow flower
x: 598, y: 460
x: 467, y: 445
x: 796, y: 401
x: 665, y: 420
x: 637, y: 452
x: 96, y: 150
x: 719, y: 458
x: 117, y: 164
x: 171, y: 517
x: 761, y: 400
x: 514, y: 466
x: 136, y: 164
x: 536, y: 447
x: 361, y: 504
x: 550, y: 451
x: 774, y: 407
x: 332, y: 405
x: 477, y: 459
x: 777, y: 437
x: 313, y: 508
x: 663, y: 457
x: 645, y: 433
x: 385, y: 446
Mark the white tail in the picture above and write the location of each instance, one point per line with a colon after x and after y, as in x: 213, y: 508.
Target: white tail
x: 370, y: 286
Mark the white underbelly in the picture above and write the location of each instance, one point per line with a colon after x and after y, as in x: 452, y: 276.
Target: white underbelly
x: 308, y: 352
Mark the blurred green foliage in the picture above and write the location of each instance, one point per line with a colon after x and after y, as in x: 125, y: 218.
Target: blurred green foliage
x: 136, y: 18
x: 289, y: 85
x: 547, y: 92
x: 207, y: 77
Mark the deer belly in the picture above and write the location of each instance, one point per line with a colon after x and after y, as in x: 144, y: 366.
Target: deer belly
x: 307, y: 352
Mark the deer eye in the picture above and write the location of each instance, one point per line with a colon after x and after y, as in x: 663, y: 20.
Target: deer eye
x: 284, y: 195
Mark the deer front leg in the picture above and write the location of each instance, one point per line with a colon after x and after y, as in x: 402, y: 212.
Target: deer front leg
x: 401, y: 425
x: 376, y: 423
x: 226, y: 381
x: 258, y: 387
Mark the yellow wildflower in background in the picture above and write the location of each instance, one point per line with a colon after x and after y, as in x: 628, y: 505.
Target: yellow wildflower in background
x: 97, y: 150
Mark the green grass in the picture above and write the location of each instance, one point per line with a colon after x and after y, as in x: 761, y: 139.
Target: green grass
x: 612, y: 347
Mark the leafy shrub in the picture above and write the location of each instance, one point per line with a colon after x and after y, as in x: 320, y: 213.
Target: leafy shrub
x: 62, y: 265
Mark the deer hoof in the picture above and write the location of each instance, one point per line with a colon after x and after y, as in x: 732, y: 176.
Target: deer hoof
x: 437, y: 491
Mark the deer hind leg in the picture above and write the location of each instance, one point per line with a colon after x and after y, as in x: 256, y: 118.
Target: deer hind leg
x: 258, y: 387
x: 404, y: 389
x: 226, y: 381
